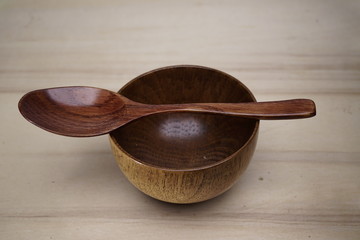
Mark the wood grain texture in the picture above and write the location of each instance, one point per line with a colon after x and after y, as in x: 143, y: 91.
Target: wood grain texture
x: 73, y: 111
x: 303, y: 185
x: 270, y: 110
x: 184, y: 185
x: 185, y: 157
x: 80, y: 111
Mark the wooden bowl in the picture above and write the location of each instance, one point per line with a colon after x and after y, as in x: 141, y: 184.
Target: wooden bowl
x: 185, y: 157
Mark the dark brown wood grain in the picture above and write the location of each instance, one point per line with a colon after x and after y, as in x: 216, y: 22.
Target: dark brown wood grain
x: 72, y: 111
x: 185, y: 157
x: 87, y: 111
x: 274, y: 110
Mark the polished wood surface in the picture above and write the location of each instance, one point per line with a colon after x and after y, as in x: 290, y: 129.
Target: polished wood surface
x: 303, y: 181
x: 185, y: 157
x: 88, y: 111
x: 73, y: 111
x: 203, y: 179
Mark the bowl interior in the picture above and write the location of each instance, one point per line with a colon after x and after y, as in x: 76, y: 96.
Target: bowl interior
x: 184, y: 140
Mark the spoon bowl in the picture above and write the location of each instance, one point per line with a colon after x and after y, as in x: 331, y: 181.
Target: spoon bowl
x: 72, y: 111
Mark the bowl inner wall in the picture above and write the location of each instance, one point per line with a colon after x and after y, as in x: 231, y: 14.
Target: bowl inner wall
x: 184, y: 140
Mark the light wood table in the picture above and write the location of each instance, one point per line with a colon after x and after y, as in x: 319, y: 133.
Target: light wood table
x: 304, y: 179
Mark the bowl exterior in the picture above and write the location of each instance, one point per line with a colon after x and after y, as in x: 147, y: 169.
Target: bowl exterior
x: 185, y: 186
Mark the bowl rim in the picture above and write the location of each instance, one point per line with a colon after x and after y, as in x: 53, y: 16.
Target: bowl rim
x: 207, y: 166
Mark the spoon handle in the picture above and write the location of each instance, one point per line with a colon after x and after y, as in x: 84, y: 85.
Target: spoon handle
x: 286, y: 109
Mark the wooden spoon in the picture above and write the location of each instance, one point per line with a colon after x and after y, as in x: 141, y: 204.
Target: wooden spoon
x: 89, y: 111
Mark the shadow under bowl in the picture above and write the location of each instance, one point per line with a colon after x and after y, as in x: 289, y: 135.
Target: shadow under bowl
x: 185, y: 157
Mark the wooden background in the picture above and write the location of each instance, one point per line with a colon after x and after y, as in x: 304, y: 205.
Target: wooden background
x: 304, y: 180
